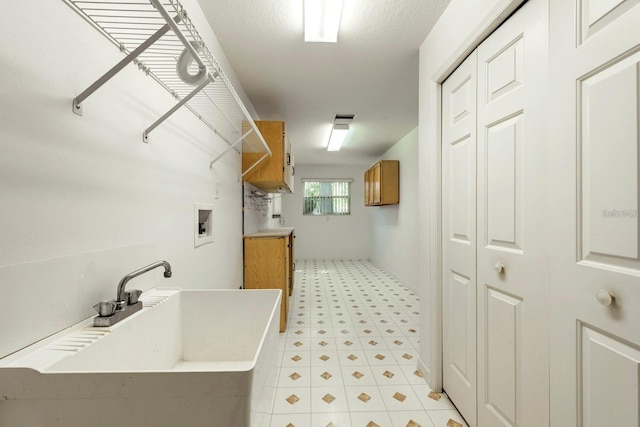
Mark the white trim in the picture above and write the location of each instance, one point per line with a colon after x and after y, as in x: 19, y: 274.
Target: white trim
x: 326, y: 180
x: 426, y: 373
x: 435, y: 67
x: 488, y: 25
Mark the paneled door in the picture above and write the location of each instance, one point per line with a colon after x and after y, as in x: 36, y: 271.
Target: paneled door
x: 495, y: 215
x: 512, y: 289
x: 594, y: 174
x: 459, y: 237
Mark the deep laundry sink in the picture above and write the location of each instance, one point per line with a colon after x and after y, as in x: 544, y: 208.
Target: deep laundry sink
x: 188, y: 358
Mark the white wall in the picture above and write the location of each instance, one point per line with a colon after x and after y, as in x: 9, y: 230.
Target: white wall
x: 462, y: 26
x: 83, y: 200
x: 275, y: 206
x: 395, y: 246
x: 330, y: 237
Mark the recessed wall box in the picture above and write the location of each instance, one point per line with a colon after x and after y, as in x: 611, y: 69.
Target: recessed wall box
x: 203, y: 224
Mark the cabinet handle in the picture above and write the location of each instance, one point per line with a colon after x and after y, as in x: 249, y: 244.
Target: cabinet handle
x: 288, y: 159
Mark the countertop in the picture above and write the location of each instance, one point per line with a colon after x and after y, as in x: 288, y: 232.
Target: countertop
x: 271, y: 232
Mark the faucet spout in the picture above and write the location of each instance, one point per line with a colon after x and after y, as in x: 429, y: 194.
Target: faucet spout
x: 121, y: 298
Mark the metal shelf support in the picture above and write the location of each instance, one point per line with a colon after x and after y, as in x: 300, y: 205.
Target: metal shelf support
x: 153, y: 34
x: 77, y: 101
x: 268, y: 152
x: 256, y: 163
x: 145, y: 134
x: 231, y: 147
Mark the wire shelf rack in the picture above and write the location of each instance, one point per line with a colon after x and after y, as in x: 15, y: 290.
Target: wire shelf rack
x: 153, y: 34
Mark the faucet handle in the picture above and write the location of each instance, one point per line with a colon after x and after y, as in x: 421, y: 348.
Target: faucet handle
x: 132, y: 296
x: 106, y: 308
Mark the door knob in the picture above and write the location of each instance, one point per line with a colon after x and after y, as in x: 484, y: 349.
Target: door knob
x: 499, y: 267
x: 605, y: 297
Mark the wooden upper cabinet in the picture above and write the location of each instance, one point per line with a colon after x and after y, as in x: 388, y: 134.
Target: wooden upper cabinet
x: 381, y: 183
x: 273, y: 174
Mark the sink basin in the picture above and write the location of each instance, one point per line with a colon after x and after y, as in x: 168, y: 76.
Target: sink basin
x: 188, y: 358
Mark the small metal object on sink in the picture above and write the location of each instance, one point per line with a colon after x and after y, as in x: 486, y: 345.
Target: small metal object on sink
x: 133, y: 295
x: 126, y: 303
x: 121, y: 298
x: 106, y: 308
x: 119, y: 315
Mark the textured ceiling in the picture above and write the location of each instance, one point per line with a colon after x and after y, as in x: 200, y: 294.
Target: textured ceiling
x: 372, y: 71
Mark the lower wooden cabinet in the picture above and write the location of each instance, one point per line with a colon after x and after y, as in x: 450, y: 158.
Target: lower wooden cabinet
x: 268, y: 264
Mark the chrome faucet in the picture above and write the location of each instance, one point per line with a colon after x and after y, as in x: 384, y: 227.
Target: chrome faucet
x: 126, y: 302
x: 122, y: 299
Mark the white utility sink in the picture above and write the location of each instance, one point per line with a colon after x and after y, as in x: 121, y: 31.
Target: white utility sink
x: 188, y: 358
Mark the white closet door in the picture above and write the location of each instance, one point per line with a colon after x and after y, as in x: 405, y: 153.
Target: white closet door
x: 459, y: 237
x: 595, y: 125
x: 513, y: 351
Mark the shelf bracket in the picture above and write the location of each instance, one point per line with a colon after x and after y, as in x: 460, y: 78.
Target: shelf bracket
x: 77, y: 101
x: 256, y: 163
x: 268, y: 152
x: 181, y: 39
x: 231, y: 147
x: 260, y: 137
x: 145, y: 134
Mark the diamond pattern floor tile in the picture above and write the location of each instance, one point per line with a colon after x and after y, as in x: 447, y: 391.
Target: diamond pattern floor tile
x: 350, y: 352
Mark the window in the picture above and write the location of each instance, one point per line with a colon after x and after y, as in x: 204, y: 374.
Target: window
x: 327, y: 197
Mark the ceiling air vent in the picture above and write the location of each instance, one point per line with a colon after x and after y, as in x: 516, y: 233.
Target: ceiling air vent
x: 343, y: 119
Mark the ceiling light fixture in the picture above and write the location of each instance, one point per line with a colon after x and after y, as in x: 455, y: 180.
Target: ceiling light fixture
x: 322, y: 20
x: 338, y: 134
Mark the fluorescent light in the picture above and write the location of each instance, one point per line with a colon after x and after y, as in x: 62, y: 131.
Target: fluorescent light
x: 322, y: 20
x: 338, y: 134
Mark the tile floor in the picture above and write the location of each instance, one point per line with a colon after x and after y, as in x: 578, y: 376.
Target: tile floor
x: 350, y: 353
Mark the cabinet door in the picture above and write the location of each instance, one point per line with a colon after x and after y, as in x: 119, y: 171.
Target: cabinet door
x: 287, y: 264
x: 389, y: 180
x: 375, y: 180
x: 291, y: 264
x: 370, y: 187
x: 367, y: 201
x: 289, y: 166
x: 265, y: 267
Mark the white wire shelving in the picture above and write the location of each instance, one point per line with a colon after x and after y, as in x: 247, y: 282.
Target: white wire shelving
x: 153, y: 34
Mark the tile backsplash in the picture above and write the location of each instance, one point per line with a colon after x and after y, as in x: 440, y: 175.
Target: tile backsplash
x: 257, y: 209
